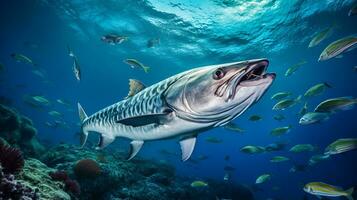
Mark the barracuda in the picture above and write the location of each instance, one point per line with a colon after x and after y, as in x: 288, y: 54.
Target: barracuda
x: 181, y: 106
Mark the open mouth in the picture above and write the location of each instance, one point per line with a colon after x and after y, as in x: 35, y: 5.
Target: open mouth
x: 255, y: 74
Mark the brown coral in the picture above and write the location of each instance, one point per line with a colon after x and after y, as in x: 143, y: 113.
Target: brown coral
x: 87, y: 168
x: 11, y: 159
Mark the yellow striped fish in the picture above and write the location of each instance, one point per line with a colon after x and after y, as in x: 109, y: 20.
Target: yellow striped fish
x: 322, y: 189
x: 341, y: 145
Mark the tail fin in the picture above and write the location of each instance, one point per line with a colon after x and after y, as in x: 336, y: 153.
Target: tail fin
x: 146, y: 69
x: 82, y: 116
x: 327, y: 85
x: 349, y: 193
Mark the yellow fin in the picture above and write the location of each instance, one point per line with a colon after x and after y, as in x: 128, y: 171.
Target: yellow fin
x: 135, y: 86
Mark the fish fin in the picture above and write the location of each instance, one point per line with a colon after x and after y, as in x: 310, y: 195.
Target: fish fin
x: 135, y: 147
x: 187, y: 146
x: 143, y: 120
x: 349, y: 193
x: 132, y: 90
x: 104, y: 141
x: 327, y: 85
x: 82, y: 114
x: 146, y: 69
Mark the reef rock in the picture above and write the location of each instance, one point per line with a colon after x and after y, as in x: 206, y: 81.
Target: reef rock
x: 138, y: 179
x: 18, y: 131
x: 35, y: 175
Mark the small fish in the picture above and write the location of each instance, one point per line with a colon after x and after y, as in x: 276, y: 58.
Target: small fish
x: 291, y: 70
x: 135, y: 86
x: 227, y: 157
x: 136, y: 64
x: 341, y: 145
x: 64, y: 102
x: 302, y: 148
x: 317, y: 158
x: 323, y: 189
x: 226, y: 177
x: 281, y: 95
x: 233, y: 127
x: 319, y: 37
x: 76, y: 67
x: 213, y: 140
x: 280, y: 130
x: 153, y: 42
x: 252, y: 149
x: 279, y: 117
x: 338, y: 47
x: 336, y: 104
x: 277, y: 159
x: 286, y: 103
x: 39, y: 73
x: 353, y: 10
x: 41, y: 99
x: 55, y: 113
x: 255, y: 118
x: 198, y: 184
x: 317, y: 90
x: 114, y: 39
x: 313, y: 117
x: 262, y: 178
x: 22, y: 58
x: 355, y: 68
x: 277, y: 146
x: 303, y: 110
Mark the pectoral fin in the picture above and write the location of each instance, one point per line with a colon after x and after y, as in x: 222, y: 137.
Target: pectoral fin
x: 143, y: 120
x: 187, y: 146
x: 104, y: 141
x: 135, y: 147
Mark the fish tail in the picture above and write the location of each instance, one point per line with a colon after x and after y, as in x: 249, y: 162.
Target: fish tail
x: 82, y: 116
x: 327, y: 85
x: 349, y: 193
x: 146, y: 69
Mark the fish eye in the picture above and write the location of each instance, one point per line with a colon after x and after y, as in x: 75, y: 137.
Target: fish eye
x: 218, y: 74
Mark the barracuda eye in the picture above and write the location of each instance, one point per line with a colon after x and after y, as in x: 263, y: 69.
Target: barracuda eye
x: 218, y: 74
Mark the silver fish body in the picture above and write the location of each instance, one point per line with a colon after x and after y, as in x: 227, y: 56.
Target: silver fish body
x: 181, y: 106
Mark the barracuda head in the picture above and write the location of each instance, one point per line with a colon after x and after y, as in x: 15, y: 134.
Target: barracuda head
x: 217, y: 94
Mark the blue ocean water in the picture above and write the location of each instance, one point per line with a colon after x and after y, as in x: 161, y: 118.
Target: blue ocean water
x: 192, y: 34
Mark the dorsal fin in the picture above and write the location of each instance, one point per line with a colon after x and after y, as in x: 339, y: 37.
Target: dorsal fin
x: 135, y: 86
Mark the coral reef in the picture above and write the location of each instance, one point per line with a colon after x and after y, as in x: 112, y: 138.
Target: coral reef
x: 137, y: 179
x: 11, y: 159
x: 18, y: 131
x: 71, y: 186
x: 35, y: 175
x: 87, y: 168
x: 12, y: 189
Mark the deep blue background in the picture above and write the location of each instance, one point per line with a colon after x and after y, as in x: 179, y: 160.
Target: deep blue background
x: 105, y: 81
